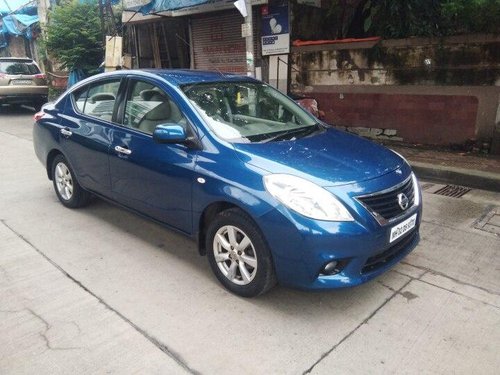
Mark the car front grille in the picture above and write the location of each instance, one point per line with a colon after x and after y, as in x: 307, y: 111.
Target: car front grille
x: 385, y: 205
x: 379, y: 260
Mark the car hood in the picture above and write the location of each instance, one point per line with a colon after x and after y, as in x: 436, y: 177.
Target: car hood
x: 330, y: 158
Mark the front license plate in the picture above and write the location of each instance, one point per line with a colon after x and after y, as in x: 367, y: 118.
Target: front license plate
x: 402, y: 228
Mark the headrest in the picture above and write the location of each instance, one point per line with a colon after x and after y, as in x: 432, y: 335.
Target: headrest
x: 160, y: 112
x: 101, y: 96
x: 152, y: 95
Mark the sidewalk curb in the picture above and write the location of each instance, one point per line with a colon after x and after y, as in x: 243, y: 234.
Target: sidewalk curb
x: 457, y: 176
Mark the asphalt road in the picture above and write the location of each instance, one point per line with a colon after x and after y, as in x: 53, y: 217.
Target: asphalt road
x: 100, y: 290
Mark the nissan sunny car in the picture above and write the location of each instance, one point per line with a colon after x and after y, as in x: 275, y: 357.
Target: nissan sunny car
x: 270, y: 193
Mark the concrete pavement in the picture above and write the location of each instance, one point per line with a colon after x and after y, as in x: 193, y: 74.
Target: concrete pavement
x: 102, y: 290
x: 453, y: 167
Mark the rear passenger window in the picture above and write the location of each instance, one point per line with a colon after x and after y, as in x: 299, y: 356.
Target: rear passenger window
x: 79, y: 98
x: 97, y: 100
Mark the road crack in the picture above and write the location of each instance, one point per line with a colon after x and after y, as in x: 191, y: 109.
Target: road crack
x: 43, y: 334
x: 437, y: 273
x: 365, y: 321
x: 164, y: 348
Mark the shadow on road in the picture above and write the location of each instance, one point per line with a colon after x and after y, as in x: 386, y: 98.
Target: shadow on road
x: 285, y: 300
x: 16, y: 110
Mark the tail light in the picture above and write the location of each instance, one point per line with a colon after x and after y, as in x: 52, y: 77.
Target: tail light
x: 40, y: 76
x: 38, y: 116
x: 3, y: 75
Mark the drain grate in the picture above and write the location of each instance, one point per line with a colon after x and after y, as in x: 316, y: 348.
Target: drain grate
x: 454, y: 191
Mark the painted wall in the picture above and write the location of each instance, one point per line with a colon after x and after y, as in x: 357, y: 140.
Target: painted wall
x: 431, y: 91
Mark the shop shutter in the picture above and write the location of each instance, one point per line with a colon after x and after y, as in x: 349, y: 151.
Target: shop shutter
x: 217, y: 42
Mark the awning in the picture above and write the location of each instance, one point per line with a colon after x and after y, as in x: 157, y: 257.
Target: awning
x: 156, y: 6
x: 139, y: 10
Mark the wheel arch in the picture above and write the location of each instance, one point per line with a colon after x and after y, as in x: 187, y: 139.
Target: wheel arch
x: 50, y: 159
x: 212, y: 210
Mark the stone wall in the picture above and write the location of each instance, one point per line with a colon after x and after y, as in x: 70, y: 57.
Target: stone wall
x: 431, y: 91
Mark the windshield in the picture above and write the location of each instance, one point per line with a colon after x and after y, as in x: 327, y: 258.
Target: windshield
x: 18, y: 67
x: 249, y: 111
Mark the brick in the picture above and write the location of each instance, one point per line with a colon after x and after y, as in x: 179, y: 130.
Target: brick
x: 390, y: 132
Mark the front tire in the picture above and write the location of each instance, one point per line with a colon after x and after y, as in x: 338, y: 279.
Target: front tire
x: 67, y: 188
x: 239, y: 255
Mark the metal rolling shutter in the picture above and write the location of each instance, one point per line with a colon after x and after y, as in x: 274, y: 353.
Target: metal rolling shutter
x: 217, y: 42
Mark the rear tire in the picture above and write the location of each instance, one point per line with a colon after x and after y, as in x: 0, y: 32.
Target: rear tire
x: 238, y: 254
x: 67, y: 188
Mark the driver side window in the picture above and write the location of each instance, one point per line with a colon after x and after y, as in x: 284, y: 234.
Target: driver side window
x: 148, y: 106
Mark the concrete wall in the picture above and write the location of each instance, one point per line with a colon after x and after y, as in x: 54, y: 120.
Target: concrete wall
x: 430, y: 91
x: 16, y: 47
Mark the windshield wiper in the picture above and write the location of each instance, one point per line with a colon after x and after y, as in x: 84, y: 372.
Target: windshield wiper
x: 304, y: 131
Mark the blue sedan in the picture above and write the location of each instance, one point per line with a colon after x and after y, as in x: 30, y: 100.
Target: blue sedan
x: 270, y: 193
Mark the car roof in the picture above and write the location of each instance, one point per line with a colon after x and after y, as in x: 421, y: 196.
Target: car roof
x: 179, y: 77
x: 175, y: 77
x: 184, y: 76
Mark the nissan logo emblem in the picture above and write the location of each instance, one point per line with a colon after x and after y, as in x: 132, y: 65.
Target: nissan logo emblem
x: 403, y: 201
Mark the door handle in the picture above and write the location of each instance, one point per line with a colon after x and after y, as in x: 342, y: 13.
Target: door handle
x: 66, y: 132
x: 123, y: 150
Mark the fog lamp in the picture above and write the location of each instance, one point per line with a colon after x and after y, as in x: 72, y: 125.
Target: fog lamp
x: 331, y: 268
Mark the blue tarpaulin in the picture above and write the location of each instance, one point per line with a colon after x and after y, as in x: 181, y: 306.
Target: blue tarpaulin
x: 17, y: 17
x: 75, y: 75
x: 18, y: 24
x: 156, y: 6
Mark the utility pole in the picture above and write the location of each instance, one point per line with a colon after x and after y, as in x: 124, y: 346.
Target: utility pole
x: 103, y: 28
x: 249, y: 39
x: 245, y: 8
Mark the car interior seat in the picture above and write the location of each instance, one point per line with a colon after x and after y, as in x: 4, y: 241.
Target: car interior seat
x: 160, y: 114
x: 169, y: 110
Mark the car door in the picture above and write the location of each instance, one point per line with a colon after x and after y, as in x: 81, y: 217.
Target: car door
x: 154, y: 179
x: 86, y: 133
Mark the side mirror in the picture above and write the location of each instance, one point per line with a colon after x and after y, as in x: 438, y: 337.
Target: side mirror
x: 169, y: 133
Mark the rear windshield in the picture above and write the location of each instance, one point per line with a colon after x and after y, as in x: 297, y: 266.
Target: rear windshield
x: 18, y: 67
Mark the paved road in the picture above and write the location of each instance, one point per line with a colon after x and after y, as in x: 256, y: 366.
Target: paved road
x: 102, y: 290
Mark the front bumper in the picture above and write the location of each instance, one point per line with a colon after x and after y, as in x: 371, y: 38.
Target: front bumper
x: 301, y: 247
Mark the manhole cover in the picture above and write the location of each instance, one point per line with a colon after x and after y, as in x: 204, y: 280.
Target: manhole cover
x: 454, y: 191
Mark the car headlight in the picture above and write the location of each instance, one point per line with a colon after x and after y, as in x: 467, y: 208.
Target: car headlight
x: 306, y: 198
x: 416, y: 189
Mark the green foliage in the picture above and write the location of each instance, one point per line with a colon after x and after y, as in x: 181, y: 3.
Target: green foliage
x: 341, y: 13
x: 74, y: 36
x: 467, y: 16
x: 400, y: 19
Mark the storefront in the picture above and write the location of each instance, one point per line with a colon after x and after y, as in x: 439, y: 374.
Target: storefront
x: 207, y: 36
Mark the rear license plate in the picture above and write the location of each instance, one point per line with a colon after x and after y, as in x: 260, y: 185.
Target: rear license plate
x: 23, y: 82
x: 402, y: 228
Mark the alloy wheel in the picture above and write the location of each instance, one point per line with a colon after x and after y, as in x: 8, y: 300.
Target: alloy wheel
x: 64, y: 181
x: 235, y: 255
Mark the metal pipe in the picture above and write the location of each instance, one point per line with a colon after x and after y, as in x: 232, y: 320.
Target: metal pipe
x: 249, y: 40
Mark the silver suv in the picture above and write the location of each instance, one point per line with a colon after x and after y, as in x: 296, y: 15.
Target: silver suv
x: 22, y: 82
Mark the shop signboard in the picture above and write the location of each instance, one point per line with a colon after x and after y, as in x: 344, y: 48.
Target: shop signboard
x: 275, y: 30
